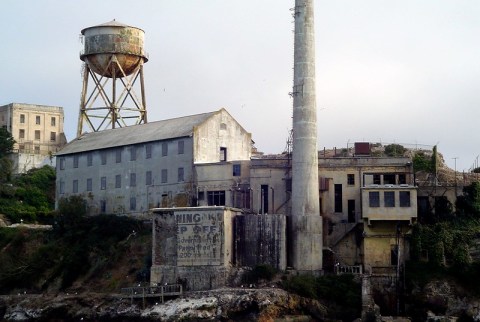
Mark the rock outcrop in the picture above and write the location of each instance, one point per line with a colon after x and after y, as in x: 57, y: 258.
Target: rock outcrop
x: 224, y: 304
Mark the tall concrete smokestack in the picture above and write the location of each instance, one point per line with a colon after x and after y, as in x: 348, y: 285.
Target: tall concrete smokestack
x: 306, y: 225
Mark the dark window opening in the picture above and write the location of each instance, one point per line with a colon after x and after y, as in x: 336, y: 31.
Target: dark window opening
x: 264, y: 200
x: 402, y: 178
x: 350, y: 179
x: 216, y: 198
x: 376, y: 179
x: 118, y: 156
x: 236, y: 170
x: 133, y: 153
x: 389, y: 179
x: 338, y: 198
x: 404, y: 198
x: 394, y: 255
x: 148, y: 151
x: 389, y: 198
x: 164, y: 176
x: 351, y: 211
x: 148, y: 178
x: 103, y: 156
x: 374, y: 199
x: 181, y: 176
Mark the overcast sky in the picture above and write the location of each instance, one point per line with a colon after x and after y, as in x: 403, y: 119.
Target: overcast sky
x: 387, y: 71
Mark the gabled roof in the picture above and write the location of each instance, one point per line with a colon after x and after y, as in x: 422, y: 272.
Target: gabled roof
x: 135, y: 134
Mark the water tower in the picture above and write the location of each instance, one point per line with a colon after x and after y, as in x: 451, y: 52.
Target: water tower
x: 113, y: 56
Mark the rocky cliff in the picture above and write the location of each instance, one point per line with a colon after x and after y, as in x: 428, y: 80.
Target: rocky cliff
x: 267, y: 304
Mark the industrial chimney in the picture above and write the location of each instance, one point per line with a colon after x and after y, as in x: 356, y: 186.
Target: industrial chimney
x: 114, y: 56
x: 306, y: 222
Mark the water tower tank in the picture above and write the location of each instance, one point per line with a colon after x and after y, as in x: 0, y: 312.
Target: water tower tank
x: 116, y: 39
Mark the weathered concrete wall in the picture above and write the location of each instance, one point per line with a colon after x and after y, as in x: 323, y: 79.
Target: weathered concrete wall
x: 41, y: 135
x: 261, y: 239
x: 158, y: 193
x: 398, y: 212
x: 192, y: 246
x: 221, y: 131
x: 379, y: 238
x: 219, y: 176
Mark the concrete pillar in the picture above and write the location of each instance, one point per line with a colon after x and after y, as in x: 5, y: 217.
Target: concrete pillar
x: 306, y: 228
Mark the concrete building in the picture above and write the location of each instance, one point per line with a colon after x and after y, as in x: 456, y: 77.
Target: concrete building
x: 38, y: 133
x: 186, y: 161
x: 365, y: 203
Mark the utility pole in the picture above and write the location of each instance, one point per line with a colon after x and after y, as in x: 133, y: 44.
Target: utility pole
x: 455, y: 158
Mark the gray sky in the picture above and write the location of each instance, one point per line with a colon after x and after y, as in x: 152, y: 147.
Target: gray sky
x: 387, y: 71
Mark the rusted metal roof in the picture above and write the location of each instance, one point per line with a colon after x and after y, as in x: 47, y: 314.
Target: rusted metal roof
x: 135, y: 134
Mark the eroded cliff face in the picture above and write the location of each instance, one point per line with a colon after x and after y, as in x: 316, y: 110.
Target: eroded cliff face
x: 442, y: 299
x: 265, y: 304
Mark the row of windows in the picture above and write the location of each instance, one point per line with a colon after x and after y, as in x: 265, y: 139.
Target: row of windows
x: 53, y: 120
x: 387, y: 179
x: 118, y: 180
x: 53, y: 135
x: 133, y: 205
x: 133, y: 153
x: 388, y: 199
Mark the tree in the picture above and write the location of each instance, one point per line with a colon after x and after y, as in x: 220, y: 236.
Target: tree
x: 421, y: 162
x: 6, y: 143
x: 395, y: 150
x: 469, y: 203
x: 71, y: 211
